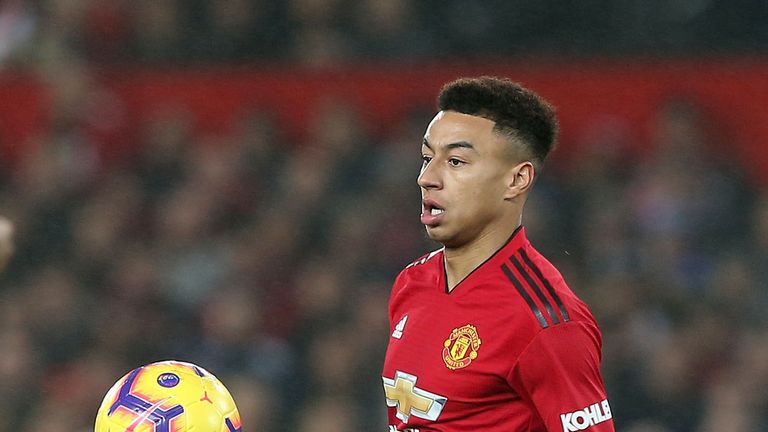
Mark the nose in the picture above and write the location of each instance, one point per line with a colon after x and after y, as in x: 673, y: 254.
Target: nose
x: 428, y: 177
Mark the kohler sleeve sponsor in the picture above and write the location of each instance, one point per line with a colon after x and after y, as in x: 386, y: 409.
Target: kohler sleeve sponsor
x: 584, y: 418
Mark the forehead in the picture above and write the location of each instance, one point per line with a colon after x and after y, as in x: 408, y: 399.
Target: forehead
x: 449, y: 127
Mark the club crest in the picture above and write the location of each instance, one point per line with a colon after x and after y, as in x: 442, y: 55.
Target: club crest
x: 461, y: 347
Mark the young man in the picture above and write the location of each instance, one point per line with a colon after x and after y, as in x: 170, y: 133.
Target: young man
x: 486, y: 335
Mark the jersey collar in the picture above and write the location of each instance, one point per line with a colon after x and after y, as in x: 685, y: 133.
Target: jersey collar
x: 517, y: 240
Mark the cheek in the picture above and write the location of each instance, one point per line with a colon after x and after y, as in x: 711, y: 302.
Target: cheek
x: 480, y: 187
x: 476, y: 197
x: 485, y: 183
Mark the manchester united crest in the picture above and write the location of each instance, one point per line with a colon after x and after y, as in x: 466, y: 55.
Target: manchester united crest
x: 461, y: 347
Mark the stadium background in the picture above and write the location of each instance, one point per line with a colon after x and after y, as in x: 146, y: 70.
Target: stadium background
x: 232, y: 182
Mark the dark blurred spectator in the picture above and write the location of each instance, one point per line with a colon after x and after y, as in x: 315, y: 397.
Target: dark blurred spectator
x: 316, y: 35
x: 166, y: 136
x: 106, y: 30
x: 328, y: 413
x: 323, y: 32
x: 236, y: 30
x: 758, y: 235
x: 160, y: 31
x: 17, y: 28
x: 255, y: 401
x: 389, y: 30
x: 7, y: 243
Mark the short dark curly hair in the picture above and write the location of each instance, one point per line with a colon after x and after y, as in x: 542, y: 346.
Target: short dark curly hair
x: 518, y: 112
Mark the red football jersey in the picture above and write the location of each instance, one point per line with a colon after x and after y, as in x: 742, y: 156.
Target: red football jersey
x: 510, y: 348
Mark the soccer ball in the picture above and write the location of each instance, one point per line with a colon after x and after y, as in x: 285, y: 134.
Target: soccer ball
x: 168, y: 396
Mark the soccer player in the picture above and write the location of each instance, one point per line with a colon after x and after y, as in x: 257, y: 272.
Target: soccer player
x: 486, y: 335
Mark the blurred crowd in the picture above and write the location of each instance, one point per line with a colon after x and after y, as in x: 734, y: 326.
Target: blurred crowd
x: 322, y: 32
x: 268, y: 260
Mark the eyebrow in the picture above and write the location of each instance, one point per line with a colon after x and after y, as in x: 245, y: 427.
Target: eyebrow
x: 457, y: 144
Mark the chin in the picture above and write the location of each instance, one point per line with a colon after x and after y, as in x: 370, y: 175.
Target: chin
x: 440, y: 235
x: 433, y: 233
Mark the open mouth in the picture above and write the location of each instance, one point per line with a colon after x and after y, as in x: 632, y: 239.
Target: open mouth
x: 431, y: 212
x: 432, y: 208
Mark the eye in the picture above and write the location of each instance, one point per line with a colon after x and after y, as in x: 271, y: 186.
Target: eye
x: 425, y: 159
x: 455, y: 162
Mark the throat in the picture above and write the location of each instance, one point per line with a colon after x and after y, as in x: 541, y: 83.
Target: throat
x: 451, y: 280
x: 458, y: 267
x: 460, y: 262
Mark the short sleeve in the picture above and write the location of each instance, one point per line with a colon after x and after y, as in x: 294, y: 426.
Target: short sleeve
x: 558, y: 374
x: 397, y: 286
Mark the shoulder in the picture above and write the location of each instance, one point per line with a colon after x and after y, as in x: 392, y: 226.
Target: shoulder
x: 550, y: 287
x: 414, y: 278
x: 425, y: 266
x: 423, y: 259
x: 542, y: 302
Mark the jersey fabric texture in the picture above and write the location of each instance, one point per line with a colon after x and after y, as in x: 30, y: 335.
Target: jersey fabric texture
x: 510, y: 348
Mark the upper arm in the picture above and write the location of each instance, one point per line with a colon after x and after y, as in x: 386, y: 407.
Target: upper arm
x: 558, y: 374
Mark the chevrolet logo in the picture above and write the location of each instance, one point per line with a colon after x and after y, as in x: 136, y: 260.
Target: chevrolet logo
x: 402, y: 393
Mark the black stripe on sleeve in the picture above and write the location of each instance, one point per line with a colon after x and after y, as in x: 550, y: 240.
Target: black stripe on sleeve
x: 524, y: 294
x: 546, y: 283
x: 536, y: 289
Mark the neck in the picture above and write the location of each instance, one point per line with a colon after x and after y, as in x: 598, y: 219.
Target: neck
x: 461, y: 261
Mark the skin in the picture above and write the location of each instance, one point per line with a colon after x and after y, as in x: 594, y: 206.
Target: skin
x: 481, y: 179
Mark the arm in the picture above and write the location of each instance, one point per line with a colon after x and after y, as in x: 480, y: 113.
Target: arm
x: 558, y: 374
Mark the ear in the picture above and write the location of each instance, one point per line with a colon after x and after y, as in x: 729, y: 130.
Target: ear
x: 520, y: 180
